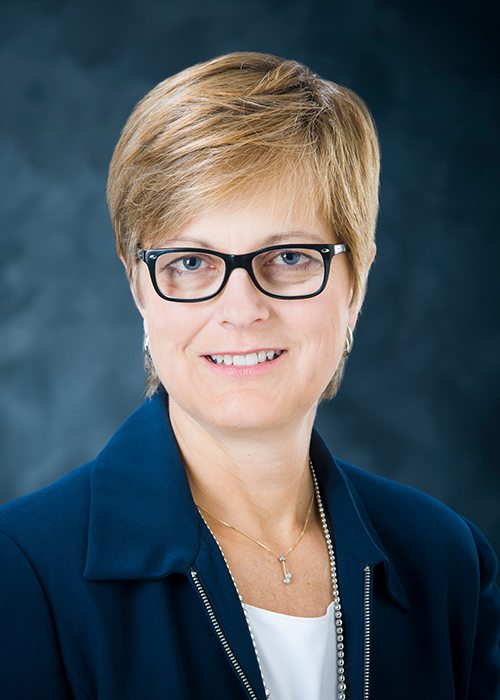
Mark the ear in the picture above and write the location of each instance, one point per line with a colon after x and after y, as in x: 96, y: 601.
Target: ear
x: 356, y: 308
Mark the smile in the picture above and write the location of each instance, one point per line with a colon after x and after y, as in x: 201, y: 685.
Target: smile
x: 253, y: 358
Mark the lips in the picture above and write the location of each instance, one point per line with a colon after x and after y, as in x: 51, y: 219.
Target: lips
x: 253, y: 358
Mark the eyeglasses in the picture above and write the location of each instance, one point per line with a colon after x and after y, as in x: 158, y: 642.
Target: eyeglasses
x: 282, y: 272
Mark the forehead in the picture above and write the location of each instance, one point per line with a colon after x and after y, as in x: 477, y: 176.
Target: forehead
x: 246, y: 222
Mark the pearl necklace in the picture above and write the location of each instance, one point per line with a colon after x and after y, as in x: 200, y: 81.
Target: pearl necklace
x: 342, y: 685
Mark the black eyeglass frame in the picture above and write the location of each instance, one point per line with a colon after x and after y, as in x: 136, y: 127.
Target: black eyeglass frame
x: 233, y: 262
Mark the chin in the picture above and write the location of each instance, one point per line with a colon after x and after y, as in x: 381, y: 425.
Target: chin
x: 248, y: 412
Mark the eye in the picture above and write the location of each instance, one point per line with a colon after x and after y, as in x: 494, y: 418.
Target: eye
x: 289, y: 257
x: 186, y: 263
x: 191, y: 263
x: 292, y: 259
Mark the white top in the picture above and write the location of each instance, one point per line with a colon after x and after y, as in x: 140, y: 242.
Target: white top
x: 298, y: 655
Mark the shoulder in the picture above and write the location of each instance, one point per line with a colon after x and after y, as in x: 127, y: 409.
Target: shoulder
x: 413, y: 526
x: 56, y: 514
x: 389, y: 500
x: 43, y: 540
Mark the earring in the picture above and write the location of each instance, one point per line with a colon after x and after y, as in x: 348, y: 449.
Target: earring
x: 145, y: 346
x: 349, y: 339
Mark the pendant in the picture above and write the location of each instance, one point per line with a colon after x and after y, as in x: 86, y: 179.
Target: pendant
x: 286, y: 573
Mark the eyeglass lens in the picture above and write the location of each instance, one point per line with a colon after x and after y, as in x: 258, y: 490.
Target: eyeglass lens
x: 286, y: 272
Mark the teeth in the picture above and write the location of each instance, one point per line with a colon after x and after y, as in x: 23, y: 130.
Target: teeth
x: 249, y: 360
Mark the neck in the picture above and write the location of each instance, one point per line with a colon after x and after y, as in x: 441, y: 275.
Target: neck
x: 258, y: 481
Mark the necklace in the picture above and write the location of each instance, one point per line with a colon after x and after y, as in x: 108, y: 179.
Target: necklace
x: 342, y: 685
x: 339, y: 625
x: 281, y: 558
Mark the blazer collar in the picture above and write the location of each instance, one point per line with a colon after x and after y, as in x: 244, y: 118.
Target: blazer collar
x: 143, y: 520
x: 353, y: 530
x: 144, y: 523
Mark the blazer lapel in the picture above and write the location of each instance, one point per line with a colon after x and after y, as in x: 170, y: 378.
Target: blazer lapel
x: 143, y: 521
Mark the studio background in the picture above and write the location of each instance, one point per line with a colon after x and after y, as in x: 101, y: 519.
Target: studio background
x: 419, y: 403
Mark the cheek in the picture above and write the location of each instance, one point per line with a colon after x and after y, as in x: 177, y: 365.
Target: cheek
x: 169, y: 331
x: 170, y: 327
x: 333, y: 333
x: 322, y: 331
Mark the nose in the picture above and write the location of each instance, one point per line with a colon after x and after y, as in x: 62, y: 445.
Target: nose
x: 240, y: 303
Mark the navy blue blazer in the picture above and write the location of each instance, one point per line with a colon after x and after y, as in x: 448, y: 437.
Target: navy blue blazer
x: 112, y: 587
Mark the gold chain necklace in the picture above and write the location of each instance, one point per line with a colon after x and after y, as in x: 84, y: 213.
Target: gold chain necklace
x: 281, y: 558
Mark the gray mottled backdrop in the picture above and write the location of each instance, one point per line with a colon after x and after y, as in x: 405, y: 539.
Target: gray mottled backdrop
x: 420, y: 400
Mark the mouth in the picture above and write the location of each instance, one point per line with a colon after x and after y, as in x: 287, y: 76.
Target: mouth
x: 253, y: 358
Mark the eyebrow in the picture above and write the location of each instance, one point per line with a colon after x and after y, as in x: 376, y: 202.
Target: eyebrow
x: 274, y: 239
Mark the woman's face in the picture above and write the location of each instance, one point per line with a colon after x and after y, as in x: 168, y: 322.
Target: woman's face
x: 306, y: 335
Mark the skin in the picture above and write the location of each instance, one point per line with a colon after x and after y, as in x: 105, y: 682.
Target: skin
x: 244, y: 432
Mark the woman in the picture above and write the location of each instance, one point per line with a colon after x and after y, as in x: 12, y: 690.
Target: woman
x: 215, y: 548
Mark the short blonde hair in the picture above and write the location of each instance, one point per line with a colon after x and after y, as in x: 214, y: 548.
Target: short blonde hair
x: 230, y: 125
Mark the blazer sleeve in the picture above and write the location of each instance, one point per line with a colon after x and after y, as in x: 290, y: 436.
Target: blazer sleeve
x: 30, y: 662
x: 485, y: 672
